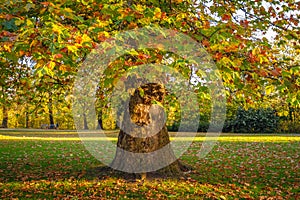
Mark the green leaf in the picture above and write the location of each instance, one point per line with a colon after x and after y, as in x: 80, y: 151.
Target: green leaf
x: 10, y: 25
x: 286, y: 74
x: 295, y: 70
x: 142, y: 92
x: 108, y: 82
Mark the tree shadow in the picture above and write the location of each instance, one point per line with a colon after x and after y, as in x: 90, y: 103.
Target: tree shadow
x: 105, y: 172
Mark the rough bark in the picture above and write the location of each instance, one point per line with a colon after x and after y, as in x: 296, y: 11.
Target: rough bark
x: 139, y: 139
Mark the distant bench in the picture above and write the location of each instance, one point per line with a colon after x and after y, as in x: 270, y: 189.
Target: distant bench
x: 49, y: 126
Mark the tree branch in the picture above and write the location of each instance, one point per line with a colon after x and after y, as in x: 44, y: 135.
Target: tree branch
x: 263, y: 20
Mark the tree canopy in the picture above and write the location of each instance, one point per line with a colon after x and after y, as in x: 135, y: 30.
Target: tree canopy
x: 255, y: 45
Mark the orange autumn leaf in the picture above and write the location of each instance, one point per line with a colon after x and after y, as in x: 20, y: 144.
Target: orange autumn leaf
x: 276, y: 71
x: 218, y: 56
x: 226, y: 17
x: 205, y: 43
x: 45, y: 3
x: 58, y: 56
x: 263, y: 73
x: 51, y: 65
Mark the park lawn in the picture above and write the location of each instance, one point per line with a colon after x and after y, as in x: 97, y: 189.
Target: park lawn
x: 55, y: 164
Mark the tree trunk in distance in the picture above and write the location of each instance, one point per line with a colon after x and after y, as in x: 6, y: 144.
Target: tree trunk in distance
x: 27, y: 119
x: 50, y: 107
x: 100, y: 122
x: 85, y: 123
x: 5, y: 117
x: 137, y: 140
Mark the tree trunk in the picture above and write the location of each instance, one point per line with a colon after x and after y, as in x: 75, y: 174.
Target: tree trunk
x: 141, y: 146
x: 100, y: 122
x: 50, y: 107
x: 85, y: 123
x: 5, y: 117
x: 27, y: 120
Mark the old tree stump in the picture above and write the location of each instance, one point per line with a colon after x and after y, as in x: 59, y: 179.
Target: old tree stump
x: 143, y: 145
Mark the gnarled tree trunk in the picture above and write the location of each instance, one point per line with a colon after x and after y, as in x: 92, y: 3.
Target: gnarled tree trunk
x: 143, y: 143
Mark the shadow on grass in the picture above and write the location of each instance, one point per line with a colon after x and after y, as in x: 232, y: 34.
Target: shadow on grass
x: 28, y: 172
x: 104, y: 172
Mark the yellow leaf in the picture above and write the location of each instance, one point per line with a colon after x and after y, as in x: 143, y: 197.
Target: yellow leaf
x: 106, y: 34
x: 216, y: 47
x: 18, y: 22
x: 227, y: 77
x: 263, y: 59
x: 84, y: 2
x: 145, y: 21
x: 180, y: 16
x: 255, y: 51
x: 91, y: 28
x: 225, y: 60
x: 102, y: 24
x: 7, y: 48
x: 85, y: 38
x: 157, y: 13
x: 222, y: 197
x: 133, y: 52
x: 178, y: 1
x: 33, y: 43
x: 269, y: 89
x: 56, y: 28
x: 140, y: 8
x: 29, y: 23
x: 69, y: 10
x: 63, y: 68
x: 51, y: 65
x: 72, y: 48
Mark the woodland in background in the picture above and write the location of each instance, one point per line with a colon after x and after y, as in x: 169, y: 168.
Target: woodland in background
x: 44, y: 42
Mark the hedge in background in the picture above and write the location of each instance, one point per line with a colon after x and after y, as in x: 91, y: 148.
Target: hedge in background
x: 262, y: 120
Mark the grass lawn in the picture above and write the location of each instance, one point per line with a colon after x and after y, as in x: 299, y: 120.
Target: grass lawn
x: 56, y: 165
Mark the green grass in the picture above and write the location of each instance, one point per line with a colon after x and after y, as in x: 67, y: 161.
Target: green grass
x: 56, y: 165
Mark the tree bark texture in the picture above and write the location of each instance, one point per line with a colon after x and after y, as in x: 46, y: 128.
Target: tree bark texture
x: 143, y: 143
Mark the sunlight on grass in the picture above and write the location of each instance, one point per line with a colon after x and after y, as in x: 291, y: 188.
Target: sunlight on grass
x: 224, y: 138
x: 5, y: 137
x: 238, y: 138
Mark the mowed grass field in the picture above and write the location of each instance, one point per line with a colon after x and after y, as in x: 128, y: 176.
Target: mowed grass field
x: 56, y: 165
